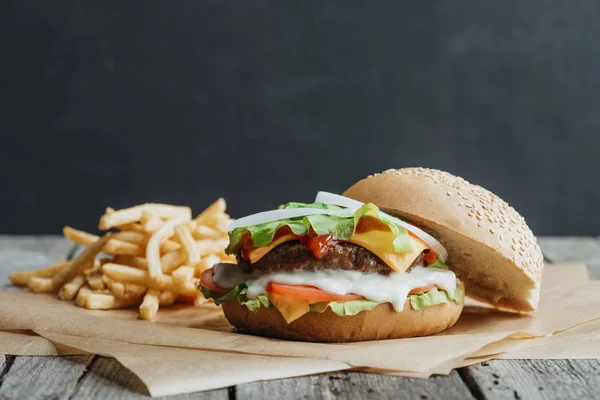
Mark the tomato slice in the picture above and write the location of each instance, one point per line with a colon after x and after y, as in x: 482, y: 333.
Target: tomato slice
x: 206, y: 280
x: 310, y: 293
x: 422, y: 289
x: 430, y: 257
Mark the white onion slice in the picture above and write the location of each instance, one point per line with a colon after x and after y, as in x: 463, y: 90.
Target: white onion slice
x: 276, y: 215
x: 337, y: 200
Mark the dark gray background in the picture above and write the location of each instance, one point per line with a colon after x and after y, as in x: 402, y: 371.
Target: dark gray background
x: 117, y: 103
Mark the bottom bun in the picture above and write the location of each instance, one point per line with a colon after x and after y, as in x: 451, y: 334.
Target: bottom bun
x: 383, y: 322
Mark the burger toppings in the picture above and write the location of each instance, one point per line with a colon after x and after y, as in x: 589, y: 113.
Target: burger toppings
x: 367, y: 227
x: 296, y: 293
x: 335, y: 253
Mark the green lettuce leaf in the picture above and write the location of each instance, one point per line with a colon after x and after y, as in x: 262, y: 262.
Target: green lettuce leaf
x: 346, y: 307
x: 438, y: 264
x: 238, y: 293
x: 340, y: 227
x: 420, y: 301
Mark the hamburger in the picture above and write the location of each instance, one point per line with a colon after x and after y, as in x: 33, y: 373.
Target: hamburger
x: 391, y: 258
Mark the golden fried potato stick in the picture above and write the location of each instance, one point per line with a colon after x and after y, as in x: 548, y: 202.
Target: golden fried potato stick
x: 153, y: 247
x: 170, y: 261
x: 119, y: 247
x: 132, y: 237
x: 134, y: 214
x: 183, y: 274
x: 131, y: 261
x: 206, y: 232
x: 70, y: 289
x: 82, y: 295
x: 185, y: 238
x: 106, y: 301
x: 150, y: 221
x: 80, y: 263
x: 149, y: 307
x: 132, y: 289
x: 206, y: 263
x: 166, y: 299
x: 207, y: 216
x: 123, y: 273
x: 116, y: 288
x: 21, y: 278
x: 206, y: 247
x: 40, y: 285
x: 78, y: 236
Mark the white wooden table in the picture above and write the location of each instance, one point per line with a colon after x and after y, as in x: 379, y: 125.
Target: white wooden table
x: 97, y: 377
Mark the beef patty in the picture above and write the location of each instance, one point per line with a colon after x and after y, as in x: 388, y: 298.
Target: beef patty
x: 293, y: 256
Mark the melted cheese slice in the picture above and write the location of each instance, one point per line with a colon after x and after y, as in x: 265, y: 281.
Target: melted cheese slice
x: 379, y: 243
x: 291, y: 308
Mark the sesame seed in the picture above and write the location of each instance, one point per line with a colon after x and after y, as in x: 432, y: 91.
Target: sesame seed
x: 491, y: 231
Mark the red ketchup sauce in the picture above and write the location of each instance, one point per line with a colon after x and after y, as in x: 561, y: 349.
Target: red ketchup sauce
x: 319, y: 245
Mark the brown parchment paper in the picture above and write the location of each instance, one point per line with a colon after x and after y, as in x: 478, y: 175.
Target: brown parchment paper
x: 167, y: 370
x: 28, y: 343
x: 204, y: 328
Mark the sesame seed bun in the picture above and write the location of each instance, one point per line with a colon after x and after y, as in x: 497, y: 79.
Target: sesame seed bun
x: 490, y: 247
x: 383, y: 322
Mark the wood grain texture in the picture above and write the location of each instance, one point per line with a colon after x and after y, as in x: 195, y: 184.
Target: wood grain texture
x: 43, y: 377
x: 356, y: 385
x: 535, y: 379
x: 20, y: 253
x: 108, y: 379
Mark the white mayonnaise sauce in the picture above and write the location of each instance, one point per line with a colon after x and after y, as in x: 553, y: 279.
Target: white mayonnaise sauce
x: 392, y: 288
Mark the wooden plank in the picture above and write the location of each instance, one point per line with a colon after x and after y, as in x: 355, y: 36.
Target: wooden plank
x: 535, y: 379
x: 571, y: 249
x: 20, y: 253
x: 43, y: 377
x: 357, y: 385
x: 108, y: 379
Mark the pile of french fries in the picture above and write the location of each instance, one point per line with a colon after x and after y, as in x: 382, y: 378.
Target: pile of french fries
x: 153, y: 257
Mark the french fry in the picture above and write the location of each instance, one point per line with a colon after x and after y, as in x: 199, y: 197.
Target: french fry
x: 196, y: 299
x: 206, y: 247
x: 120, y: 247
x: 116, y: 288
x: 82, y: 295
x: 149, y: 307
x: 183, y: 274
x: 133, y: 289
x: 150, y: 221
x: 207, y: 216
x: 166, y: 299
x: 170, y: 261
x: 153, y: 247
x: 40, y: 285
x: 206, y: 263
x: 93, y: 277
x: 185, y: 238
x: 132, y: 261
x: 228, y: 258
x: 206, y: 232
x: 136, y: 276
x: 169, y: 245
x: 21, y: 278
x: 134, y: 214
x: 138, y: 238
x: 79, y: 237
x: 133, y: 226
x: 222, y: 222
x: 105, y: 301
x: 70, y: 289
x: 79, y: 263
